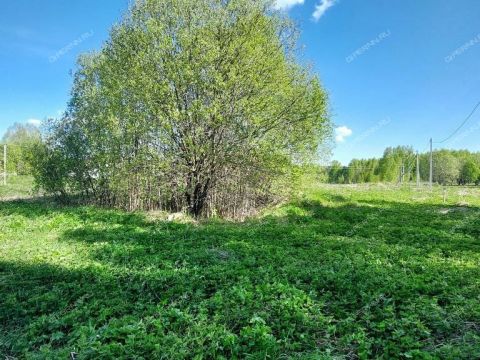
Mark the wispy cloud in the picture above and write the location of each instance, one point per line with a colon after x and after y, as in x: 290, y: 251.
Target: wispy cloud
x: 287, y: 4
x: 34, y: 122
x: 322, y: 8
x: 342, y: 132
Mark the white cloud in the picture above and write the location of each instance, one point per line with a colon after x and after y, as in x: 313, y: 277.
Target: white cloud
x: 321, y: 8
x: 287, y: 4
x: 342, y: 132
x: 34, y: 122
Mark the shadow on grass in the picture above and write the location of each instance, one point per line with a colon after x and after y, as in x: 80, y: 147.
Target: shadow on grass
x: 375, y: 278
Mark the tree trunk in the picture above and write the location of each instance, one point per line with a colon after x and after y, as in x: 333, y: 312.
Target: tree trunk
x: 196, y: 195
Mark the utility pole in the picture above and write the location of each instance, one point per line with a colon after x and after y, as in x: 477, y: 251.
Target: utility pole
x: 431, y: 162
x: 418, y: 171
x: 5, y: 164
x: 400, y: 175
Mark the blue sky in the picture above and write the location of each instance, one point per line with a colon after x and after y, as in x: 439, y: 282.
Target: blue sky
x: 397, y: 71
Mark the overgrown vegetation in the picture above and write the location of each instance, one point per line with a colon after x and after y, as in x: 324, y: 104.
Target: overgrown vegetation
x: 450, y: 167
x: 20, y: 140
x: 342, y: 272
x: 196, y: 105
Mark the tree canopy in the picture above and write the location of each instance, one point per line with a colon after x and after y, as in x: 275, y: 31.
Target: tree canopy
x: 195, y: 104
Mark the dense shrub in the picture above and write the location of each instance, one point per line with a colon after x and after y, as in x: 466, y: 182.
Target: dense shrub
x: 195, y: 105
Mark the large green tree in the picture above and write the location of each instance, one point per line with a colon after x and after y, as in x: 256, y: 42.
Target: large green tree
x: 193, y: 103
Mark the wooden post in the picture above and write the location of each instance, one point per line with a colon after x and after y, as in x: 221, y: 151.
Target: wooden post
x: 5, y: 164
x: 402, y: 172
x: 418, y: 171
x: 431, y: 163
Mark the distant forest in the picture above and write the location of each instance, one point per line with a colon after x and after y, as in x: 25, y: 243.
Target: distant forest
x: 450, y: 167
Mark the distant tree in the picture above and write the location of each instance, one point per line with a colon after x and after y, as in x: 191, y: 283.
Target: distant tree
x: 392, y: 160
x: 362, y: 171
x: 446, y: 168
x: 354, y: 172
x: 20, y: 138
x: 371, y: 174
x: 469, y: 173
x: 60, y: 161
x: 335, y: 173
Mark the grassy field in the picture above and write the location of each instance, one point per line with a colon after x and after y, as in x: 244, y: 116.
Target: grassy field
x: 341, y: 272
x: 17, y: 187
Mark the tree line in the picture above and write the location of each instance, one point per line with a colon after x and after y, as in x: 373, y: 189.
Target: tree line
x: 450, y: 167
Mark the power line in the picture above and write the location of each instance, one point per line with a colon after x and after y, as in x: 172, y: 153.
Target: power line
x: 461, y: 125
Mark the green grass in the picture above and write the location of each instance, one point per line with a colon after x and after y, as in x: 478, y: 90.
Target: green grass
x: 17, y: 187
x: 342, y: 272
